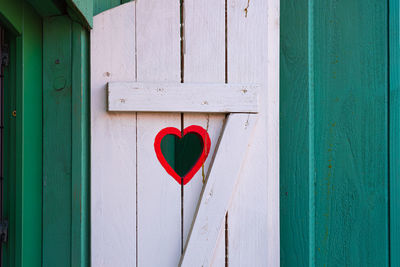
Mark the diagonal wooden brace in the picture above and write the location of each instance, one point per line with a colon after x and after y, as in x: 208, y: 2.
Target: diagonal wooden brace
x: 215, y: 198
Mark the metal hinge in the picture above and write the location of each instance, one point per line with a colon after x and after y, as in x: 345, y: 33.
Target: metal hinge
x: 3, y: 231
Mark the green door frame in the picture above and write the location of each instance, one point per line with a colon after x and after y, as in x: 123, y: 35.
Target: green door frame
x: 25, y: 26
x: 52, y: 133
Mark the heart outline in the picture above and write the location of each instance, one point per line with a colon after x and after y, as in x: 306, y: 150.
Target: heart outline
x: 195, y: 129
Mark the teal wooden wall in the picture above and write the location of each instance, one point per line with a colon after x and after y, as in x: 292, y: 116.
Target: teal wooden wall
x: 394, y: 149
x: 334, y: 133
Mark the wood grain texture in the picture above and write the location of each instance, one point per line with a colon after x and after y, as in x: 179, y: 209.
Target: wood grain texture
x: 334, y: 88
x: 186, y: 97
x: 57, y: 147
x: 253, y: 48
x: 394, y: 149
x: 159, y: 195
x: 351, y: 133
x: 204, y: 62
x: 219, y: 189
x: 113, y: 146
x: 294, y: 135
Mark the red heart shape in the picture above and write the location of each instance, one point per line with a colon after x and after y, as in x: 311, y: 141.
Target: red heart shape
x: 194, y: 129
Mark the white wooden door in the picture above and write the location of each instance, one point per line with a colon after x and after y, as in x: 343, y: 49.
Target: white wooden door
x: 229, y: 211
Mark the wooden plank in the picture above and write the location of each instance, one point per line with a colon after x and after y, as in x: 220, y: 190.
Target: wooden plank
x: 351, y: 132
x: 204, y: 62
x: 213, y: 124
x: 57, y: 145
x: 30, y: 141
x: 394, y: 124
x: 159, y: 195
x: 219, y: 258
x: 219, y: 189
x: 164, y: 97
x: 341, y: 179
x: 113, y: 147
x: 80, y: 147
x: 294, y: 137
x: 253, y: 57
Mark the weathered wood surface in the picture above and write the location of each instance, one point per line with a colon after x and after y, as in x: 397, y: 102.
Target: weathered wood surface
x: 218, y: 191
x: 163, y: 209
x: 204, y: 62
x: 57, y: 137
x: 334, y: 166
x: 394, y: 124
x: 182, y: 97
x: 159, y: 195
x: 113, y: 146
x: 253, y: 57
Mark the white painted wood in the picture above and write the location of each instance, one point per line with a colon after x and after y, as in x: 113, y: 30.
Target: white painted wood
x: 213, y: 123
x: 153, y: 45
x: 159, y: 195
x: 253, y: 57
x: 113, y: 142
x: 218, y: 258
x: 219, y: 189
x: 178, y: 97
x: 204, y: 62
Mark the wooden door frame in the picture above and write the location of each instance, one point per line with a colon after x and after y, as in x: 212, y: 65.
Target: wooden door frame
x: 25, y: 25
x: 25, y: 22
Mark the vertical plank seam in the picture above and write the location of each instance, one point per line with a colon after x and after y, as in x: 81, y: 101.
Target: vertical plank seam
x: 72, y: 140
x: 226, y: 243
x: 311, y: 155
x: 182, y: 61
x: 136, y: 148
x: 389, y: 127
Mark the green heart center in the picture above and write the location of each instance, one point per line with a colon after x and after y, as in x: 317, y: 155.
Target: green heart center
x: 182, y: 153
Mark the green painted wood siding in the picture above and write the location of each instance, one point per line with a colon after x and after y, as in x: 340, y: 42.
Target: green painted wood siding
x: 334, y: 133
x: 57, y: 91
x: 66, y: 143
x: 394, y: 59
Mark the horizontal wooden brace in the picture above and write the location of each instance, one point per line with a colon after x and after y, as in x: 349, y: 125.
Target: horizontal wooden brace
x: 182, y: 97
